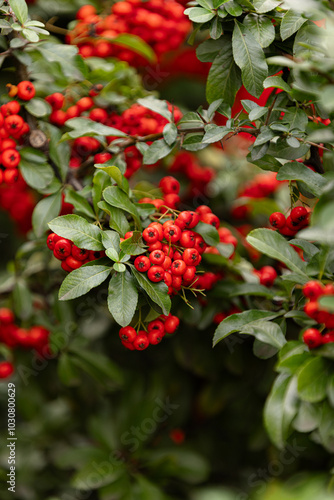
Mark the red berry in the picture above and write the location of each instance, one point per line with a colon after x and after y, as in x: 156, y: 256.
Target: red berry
x: 156, y: 326
x: 55, y: 100
x: 178, y: 267
x: 156, y: 274
x: 155, y: 246
x: 312, y: 309
x: 159, y: 228
x: 172, y: 233
x: 62, y: 249
x: 169, y: 185
x: 6, y: 369
x: 150, y: 234
x: 171, y: 324
x: 142, y: 263
x: 299, y: 214
x: 211, y: 219
x: 10, y: 108
x: 312, y: 290
x: 267, y: 275
x: 10, y: 158
x: 128, y: 334
x: 187, y: 239
x: 168, y: 279
x: 203, y: 209
x: 58, y: 117
x: 189, y: 274
x: 312, y: 338
x: 141, y: 342
x: 157, y: 257
x: 99, y: 115
x: 85, y: 103
x: 73, y: 263
x: 154, y: 337
x: 52, y: 240
x: 79, y: 253
x: 96, y: 254
x: 25, y: 90
x: 13, y: 124
x: 11, y: 175
x: 277, y: 219
x: 176, y: 282
x: 191, y: 257
x: 6, y: 316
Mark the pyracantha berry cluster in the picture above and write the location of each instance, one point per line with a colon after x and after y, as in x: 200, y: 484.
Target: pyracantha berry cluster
x: 36, y: 337
x: 156, y: 330
x: 289, y: 226
x: 71, y: 256
x: 313, y: 290
x: 160, y: 23
x: 198, y: 176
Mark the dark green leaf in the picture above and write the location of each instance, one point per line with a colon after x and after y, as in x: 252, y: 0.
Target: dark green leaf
x: 136, y: 44
x: 207, y: 51
x: 170, y: 133
x: 249, y: 56
x: 261, y: 28
x: 101, y: 180
x: 265, y: 136
x: 216, y: 29
x: 277, y: 82
x: 224, y: 78
x: 115, y: 174
x: 45, y: 210
x: 20, y: 9
x: 38, y: 107
x: 159, y: 149
x: 256, y: 113
x: 327, y: 302
x: 291, y: 23
x: 85, y: 127
x: 156, y: 291
x: 262, y: 6
x: 281, y: 149
x: 296, y: 171
x: 82, y: 280
x: 199, y: 15
x: 115, y: 197
x: 133, y: 245
x: 122, y: 297
x: 267, y: 332
x: 80, y: 203
x: 233, y: 8
x: 214, y: 133
x: 22, y: 300
x: 208, y: 233
x: 158, y: 106
x: 312, y: 380
x: 280, y: 409
x: 77, y: 229
x: 236, y: 322
x: 117, y: 221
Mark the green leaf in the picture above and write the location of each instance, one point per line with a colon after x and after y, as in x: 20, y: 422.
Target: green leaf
x: 267, y: 332
x: 236, y: 322
x: 214, y: 133
x: 45, y: 210
x: 199, y: 15
x: 207, y: 51
x: 63, y: 54
x: 327, y: 302
x: 267, y: 162
x: 291, y: 23
x: 38, y: 107
x: 101, y: 180
x: 118, y: 266
x: 296, y: 171
x: 22, y: 300
x: 67, y: 371
x: 193, y: 142
x: 224, y: 79
x: 274, y: 245
x: 83, y: 127
x: 82, y: 280
x: 292, y: 356
x: 133, y: 245
x: 158, y: 106
x: 20, y: 9
x: 263, y: 6
x: 30, y: 35
x: 280, y: 409
x: 277, y: 82
x: 249, y: 56
x: 280, y: 149
x: 80, y: 203
x: 265, y: 136
x: 59, y: 153
x: 77, y: 229
x: 111, y: 241
x: 208, y: 233
x: 233, y: 8
x: 115, y: 174
x: 115, y: 197
x: 98, y: 366
x: 312, y: 380
x: 37, y: 175
x: 136, y: 44
x: 117, y: 221
x: 256, y: 113
x: 261, y: 28
x: 122, y: 297
x: 216, y: 29
x: 156, y: 291
x: 170, y: 133
x: 159, y: 149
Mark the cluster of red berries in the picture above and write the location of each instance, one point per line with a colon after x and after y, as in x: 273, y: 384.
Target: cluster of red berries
x: 71, y: 256
x: 289, y: 226
x: 261, y: 186
x: 199, y: 176
x: 18, y: 200
x: 160, y: 23
x: 170, y: 188
x: 36, y: 337
x: 156, y: 330
x: 266, y: 275
x: 136, y: 120
x: 313, y: 290
x: 12, y: 129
